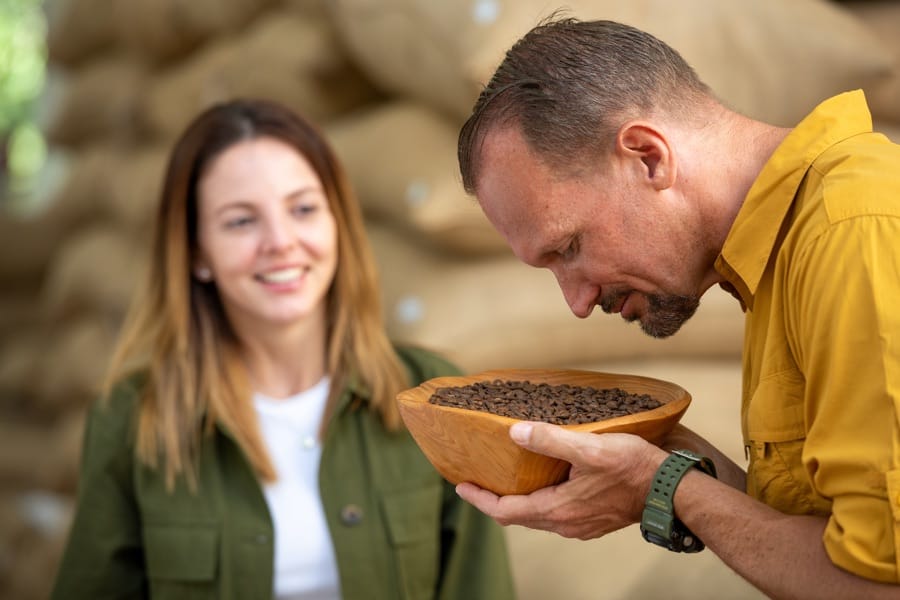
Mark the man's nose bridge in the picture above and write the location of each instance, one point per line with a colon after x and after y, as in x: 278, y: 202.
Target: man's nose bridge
x: 572, y: 287
x: 569, y: 290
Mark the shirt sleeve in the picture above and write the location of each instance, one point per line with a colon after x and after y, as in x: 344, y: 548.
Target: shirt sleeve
x: 846, y: 332
x: 103, y: 557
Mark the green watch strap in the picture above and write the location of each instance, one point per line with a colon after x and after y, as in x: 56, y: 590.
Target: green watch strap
x: 659, y: 525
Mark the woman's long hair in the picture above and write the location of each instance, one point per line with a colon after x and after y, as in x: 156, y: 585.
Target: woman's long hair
x: 177, y: 332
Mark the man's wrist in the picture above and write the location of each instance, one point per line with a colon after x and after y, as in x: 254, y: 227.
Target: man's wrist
x: 659, y: 525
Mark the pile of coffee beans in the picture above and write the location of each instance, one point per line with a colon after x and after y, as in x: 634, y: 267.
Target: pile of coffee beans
x: 558, y: 404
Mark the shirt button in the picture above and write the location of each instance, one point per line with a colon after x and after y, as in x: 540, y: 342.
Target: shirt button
x: 351, y: 515
x: 309, y: 442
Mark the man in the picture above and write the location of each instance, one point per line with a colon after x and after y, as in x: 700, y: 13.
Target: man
x: 597, y: 153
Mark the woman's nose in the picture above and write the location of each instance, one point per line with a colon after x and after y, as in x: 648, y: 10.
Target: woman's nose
x: 277, y: 235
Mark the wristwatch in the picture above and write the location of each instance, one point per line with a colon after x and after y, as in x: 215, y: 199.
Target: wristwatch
x: 659, y: 525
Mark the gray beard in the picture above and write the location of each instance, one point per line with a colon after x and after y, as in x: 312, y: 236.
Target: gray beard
x: 667, y: 313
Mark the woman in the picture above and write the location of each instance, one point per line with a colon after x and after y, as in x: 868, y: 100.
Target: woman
x: 250, y: 446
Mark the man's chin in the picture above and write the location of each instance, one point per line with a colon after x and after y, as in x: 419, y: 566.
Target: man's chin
x: 660, y: 331
x: 661, y: 326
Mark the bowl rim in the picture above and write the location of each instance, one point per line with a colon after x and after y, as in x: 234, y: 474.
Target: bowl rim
x: 668, y: 408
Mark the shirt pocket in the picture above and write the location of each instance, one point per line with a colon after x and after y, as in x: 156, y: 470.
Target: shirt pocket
x: 776, y: 434
x: 413, y: 521
x: 182, y: 560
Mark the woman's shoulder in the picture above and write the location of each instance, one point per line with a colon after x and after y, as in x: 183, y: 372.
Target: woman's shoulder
x: 116, y: 410
x: 423, y: 363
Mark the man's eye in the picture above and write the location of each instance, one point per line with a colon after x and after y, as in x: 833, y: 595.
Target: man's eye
x: 570, y: 251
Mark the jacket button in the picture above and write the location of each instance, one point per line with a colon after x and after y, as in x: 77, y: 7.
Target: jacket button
x: 351, y: 515
x: 261, y: 538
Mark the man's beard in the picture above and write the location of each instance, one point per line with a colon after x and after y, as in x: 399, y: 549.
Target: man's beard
x: 666, y: 313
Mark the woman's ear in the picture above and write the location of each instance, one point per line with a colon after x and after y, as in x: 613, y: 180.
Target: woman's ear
x: 646, y: 144
x: 202, y: 272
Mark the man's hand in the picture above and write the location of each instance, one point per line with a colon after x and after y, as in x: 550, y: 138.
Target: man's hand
x: 607, y: 484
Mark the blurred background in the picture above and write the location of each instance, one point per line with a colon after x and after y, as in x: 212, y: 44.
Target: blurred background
x: 93, y: 92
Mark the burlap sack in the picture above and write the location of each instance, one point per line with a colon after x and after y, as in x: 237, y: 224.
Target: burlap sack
x: 20, y: 358
x: 72, y: 365
x: 498, y: 312
x: 19, y: 311
x: 71, y: 194
x: 401, y: 159
x: 77, y: 29
x: 135, y: 184
x: 883, y: 18
x: 95, y: 271
x: 889, y: 128
x: 36, y: 557
x: 162, y: 30
x: 770, y: 59
x: 41, y: 456
x: 307, y: 8
x: 96, y: 101
x: 282, y: 56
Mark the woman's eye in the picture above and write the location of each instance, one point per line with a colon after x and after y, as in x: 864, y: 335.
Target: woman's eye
x: 303, y: 209
x: 238, y: 222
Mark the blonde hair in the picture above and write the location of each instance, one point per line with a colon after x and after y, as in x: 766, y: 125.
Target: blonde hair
x: 177, y: 332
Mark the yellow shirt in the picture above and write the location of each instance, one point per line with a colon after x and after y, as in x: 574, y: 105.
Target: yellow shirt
x: 814, y: 256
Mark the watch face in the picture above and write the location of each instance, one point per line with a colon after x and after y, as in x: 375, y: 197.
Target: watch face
x: 654, y: 538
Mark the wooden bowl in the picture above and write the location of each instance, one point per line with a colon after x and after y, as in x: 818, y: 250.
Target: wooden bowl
x: 473, y: 445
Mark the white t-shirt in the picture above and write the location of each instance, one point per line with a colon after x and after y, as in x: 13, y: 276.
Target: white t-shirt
x: 305, y: 566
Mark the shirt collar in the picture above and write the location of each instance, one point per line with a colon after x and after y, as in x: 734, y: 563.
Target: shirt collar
x: 751, y: 240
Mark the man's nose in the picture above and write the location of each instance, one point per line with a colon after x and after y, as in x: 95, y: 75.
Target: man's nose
x: 580, y: 297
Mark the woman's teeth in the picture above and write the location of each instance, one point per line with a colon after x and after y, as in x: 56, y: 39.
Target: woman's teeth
x: 282, y: 276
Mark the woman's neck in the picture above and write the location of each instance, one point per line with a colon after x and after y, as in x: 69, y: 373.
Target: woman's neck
x: 286, y: 361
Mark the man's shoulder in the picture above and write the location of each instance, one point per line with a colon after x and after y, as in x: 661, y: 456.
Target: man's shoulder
x: 865, y: 155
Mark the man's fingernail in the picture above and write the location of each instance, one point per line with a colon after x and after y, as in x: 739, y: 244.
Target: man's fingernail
x: 521, y: 432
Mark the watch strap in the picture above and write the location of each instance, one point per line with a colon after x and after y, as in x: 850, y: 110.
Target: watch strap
x: 659, y: 524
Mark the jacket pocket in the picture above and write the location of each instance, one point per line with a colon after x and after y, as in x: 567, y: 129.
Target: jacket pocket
x: 413, y: 519
x: 181, y: 560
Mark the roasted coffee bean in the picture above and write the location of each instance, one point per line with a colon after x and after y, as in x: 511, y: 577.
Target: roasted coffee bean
x: 558, y: 404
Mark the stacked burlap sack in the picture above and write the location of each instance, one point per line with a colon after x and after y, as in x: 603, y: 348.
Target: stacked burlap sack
x: 450, y: 281
x: 390, y: 81
x: 125, y: 76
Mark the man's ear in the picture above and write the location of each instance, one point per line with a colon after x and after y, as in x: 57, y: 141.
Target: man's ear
x: 647, y: 145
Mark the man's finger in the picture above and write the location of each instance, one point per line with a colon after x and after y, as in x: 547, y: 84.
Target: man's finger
x: 480, y: 498
x: 507, y: 510
x: 551, y: 440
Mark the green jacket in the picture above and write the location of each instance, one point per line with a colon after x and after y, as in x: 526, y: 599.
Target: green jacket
x: 399, y: 530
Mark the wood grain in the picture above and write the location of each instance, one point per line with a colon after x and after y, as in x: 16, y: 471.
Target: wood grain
x: 471, y: 445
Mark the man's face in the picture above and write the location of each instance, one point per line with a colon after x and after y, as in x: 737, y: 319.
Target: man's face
x: 608, y: 236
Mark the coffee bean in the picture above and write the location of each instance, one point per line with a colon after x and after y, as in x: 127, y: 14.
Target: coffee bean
x: 559, y: 404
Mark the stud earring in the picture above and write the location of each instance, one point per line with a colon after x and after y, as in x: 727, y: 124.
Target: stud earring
x: 203, y: 274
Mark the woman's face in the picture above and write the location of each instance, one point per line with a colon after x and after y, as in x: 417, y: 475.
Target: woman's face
x: 266, y: 235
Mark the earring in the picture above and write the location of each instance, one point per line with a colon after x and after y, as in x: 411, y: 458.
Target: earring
x: 203, y: 274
